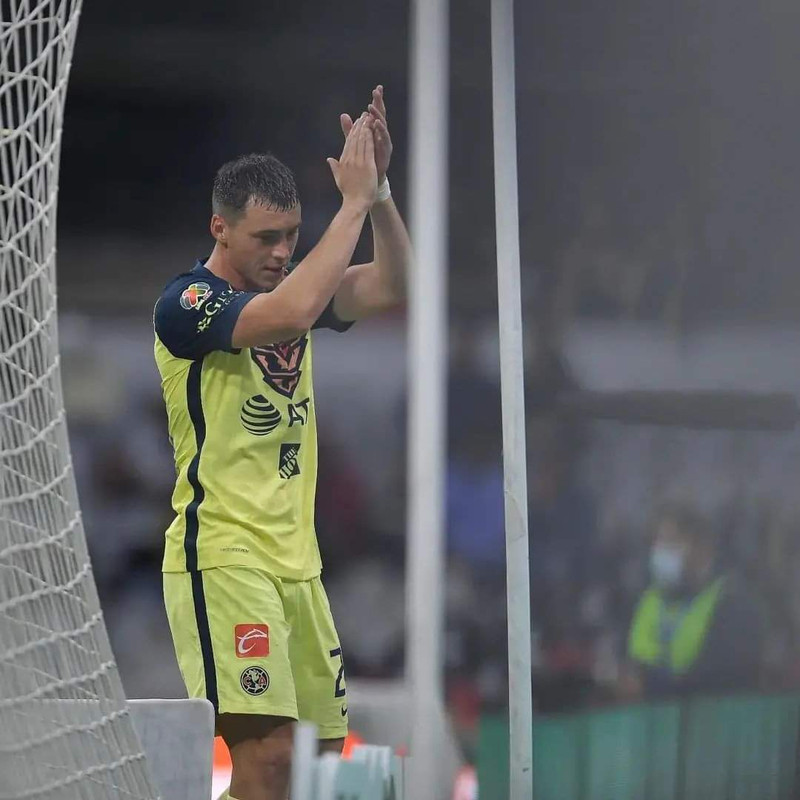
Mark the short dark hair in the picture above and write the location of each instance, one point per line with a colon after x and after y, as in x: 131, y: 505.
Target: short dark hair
x: 258, y: 178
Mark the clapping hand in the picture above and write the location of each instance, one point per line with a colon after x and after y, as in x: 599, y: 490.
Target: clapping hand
x: 383, y: 141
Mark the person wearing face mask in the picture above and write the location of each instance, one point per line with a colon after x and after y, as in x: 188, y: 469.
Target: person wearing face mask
x: 696, y: 629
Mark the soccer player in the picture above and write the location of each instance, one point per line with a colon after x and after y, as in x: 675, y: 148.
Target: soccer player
x: 249, y: 617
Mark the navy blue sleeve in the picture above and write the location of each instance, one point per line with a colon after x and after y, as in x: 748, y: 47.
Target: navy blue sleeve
x: 196, y: 315
x: 328, y: 319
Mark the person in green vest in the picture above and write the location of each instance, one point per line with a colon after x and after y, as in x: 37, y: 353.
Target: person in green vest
x: 696, y: 629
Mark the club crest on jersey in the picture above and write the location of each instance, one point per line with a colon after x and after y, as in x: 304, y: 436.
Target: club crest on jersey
x: 280, y: 364
x: 254, y: 680
x: 252, y: 641
x: 195, y: 295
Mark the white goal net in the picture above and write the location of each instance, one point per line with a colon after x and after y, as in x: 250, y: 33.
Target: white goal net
x: 65, y: 731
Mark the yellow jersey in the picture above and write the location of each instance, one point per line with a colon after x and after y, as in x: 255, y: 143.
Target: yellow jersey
x: 243, y: 430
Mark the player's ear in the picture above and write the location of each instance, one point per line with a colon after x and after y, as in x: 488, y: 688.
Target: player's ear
x: 219, y: 229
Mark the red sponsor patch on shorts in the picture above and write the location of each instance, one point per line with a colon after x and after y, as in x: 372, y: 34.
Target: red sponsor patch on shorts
x: 252, y: 641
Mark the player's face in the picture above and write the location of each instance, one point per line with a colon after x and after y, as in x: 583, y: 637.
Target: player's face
x: 260, y: 245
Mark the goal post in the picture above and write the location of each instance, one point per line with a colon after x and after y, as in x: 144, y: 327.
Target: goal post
x: 65, y: 728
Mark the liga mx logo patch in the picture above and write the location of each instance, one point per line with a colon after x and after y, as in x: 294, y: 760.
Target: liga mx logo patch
x: 252, y: 640
x: 195, y: 295
x: 254, y: 681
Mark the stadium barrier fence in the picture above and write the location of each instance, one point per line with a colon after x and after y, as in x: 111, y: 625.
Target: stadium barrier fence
x: 731, y: 748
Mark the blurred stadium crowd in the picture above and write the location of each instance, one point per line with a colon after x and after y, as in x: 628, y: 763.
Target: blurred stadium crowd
x: 594, y: 489
x: 649, y: 261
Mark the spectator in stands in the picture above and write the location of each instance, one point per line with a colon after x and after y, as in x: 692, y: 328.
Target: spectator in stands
x: 696, y: 629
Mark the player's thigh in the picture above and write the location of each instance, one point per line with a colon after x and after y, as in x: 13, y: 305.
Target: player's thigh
x: 238, y: 728
x: 316, y: 658
x: 232, y: 641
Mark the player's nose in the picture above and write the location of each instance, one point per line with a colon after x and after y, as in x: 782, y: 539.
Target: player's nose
x: 281, y: 252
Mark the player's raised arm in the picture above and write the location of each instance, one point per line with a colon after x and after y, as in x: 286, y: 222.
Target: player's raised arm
x: 368, y: 289
x: 297, y: 302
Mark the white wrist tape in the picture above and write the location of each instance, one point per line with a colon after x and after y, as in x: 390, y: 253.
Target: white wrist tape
x: 384, y: 191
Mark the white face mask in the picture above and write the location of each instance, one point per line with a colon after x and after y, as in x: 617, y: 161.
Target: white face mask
x: 666, y: 565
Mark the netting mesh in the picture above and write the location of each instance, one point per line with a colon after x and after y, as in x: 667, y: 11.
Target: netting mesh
x: 64, y: 726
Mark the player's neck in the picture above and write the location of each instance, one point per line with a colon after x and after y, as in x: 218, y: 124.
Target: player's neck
x: 218, y: 264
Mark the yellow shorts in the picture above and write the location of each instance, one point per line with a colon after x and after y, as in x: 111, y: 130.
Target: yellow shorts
x: 255, y: 644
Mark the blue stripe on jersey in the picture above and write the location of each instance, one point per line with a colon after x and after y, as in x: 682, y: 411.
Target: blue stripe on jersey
x: 194, y: 403
x: 204, y: 632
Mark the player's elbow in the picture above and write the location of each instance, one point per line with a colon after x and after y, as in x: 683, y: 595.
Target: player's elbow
x: 389, y: 289
x: 391, y: 296
x: 397, y: 295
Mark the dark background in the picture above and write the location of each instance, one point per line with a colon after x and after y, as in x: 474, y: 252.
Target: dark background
x: 640, y: 119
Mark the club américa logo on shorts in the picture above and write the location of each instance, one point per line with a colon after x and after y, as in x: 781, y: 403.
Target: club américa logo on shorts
x: 255, y: 681
x: 195, y: 295
x: 252, y: 640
